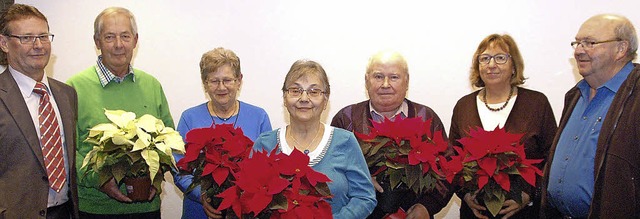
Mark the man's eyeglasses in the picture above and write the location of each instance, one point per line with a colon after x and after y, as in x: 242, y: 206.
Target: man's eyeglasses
x: 26, y: 39
x: 589, y: 44
x: 297, y: 92
x: 227, y: 82
x: 125, y: 37
x: 498, y: 58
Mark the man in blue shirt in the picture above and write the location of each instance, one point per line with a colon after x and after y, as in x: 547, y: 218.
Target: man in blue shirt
x: 594, y: 164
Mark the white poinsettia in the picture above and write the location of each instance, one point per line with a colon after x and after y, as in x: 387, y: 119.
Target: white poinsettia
x: 120, y: 117
x: 145, y: 137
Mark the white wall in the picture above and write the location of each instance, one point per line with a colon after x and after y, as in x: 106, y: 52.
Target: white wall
x: 438, y: 39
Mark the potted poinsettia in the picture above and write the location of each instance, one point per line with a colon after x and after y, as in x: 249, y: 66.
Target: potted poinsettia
x: 212, y: 157
x: 403, y: 154
x: 493, y: 165
x: 132, y: 149
x: 275, y: 185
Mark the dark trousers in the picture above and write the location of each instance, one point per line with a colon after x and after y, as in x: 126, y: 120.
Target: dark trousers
x: 148, y: 215
x: 62, y: 211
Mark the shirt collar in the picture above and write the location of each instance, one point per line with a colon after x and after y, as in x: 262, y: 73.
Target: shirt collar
x: 613, y: 84
x: 106, y: 76
x: 404, y: 109
x: 26, y: 83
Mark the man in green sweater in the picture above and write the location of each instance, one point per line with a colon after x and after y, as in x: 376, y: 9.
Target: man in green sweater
x: 113, y: 84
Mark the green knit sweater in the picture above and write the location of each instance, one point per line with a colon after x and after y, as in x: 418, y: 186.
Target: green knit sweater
x: 144, y: 95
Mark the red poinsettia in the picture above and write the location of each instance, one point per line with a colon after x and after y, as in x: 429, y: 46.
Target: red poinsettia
x: 283, y: 186
x: 405, y: 151
x: 212, y: 156
x: 488, y: 163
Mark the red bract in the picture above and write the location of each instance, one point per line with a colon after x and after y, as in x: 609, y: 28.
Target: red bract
x: 304, y: 206
x: 259, y: 181
x: 230, y: 198
x: 491, y: 155
x: 393, y: 145
x: 399, y: 129
x: 212, y: 157
x: 454, y: 166
x: 196, y: 140
x: 297, y: 165
x: 485, y: 142
x: 265, y: 176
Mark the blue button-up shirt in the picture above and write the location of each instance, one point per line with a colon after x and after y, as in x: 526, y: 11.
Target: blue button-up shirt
x: 571, y: 178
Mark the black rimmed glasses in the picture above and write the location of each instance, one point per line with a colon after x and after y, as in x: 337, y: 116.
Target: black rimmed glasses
x: 26, y: 39
x: 297, y: 92
x: 500, y: 58
x: 587, y: 44
x: 227, y: 82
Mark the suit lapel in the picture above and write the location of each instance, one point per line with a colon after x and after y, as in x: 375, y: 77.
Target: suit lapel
x: 12, y: 99
x: 63, y: 100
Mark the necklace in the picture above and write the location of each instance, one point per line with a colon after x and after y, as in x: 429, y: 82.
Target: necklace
x: 224, y: 119
x: 484, y: 96
x: 306, y: 149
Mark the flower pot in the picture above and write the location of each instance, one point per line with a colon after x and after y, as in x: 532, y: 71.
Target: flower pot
x: 391, y: 199
x: 138, y: 188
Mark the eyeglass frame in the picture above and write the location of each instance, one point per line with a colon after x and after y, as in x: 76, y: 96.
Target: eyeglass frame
x: 225, y: 81
x: 590, y: 44
x: 22, y: 38
x: 310, y: 94
x: 508, y: 57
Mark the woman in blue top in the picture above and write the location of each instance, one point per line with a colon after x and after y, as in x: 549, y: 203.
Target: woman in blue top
x: 221, y: 77
x: 332, y: 151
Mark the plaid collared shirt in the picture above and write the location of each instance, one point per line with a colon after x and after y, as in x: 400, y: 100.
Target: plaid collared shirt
x: 106, y: 76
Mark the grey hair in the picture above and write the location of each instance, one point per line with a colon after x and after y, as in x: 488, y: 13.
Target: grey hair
x: 97, y: 24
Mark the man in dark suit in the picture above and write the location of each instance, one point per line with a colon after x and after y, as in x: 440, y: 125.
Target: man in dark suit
x: 37, y: 124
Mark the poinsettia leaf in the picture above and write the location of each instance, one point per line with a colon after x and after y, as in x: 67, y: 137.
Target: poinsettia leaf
x: 139, y: 145
x: 494, y: 202
x: 144, y: 139
x: 152, y: 160
x: 323, y: 189
x: 379, y: 145
x: 511, y: 170
x: 119, y: 139
x: 119, y: 171
x: 101, y: 128
x: 394, y: 165
x: 157, y: 181
x: 147, y: 123
x: 411, y: 175
x: 395, y: 177
x: 120, y: 117
x: 279, y: 202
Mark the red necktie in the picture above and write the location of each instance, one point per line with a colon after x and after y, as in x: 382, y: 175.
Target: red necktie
x: 50, y: 139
